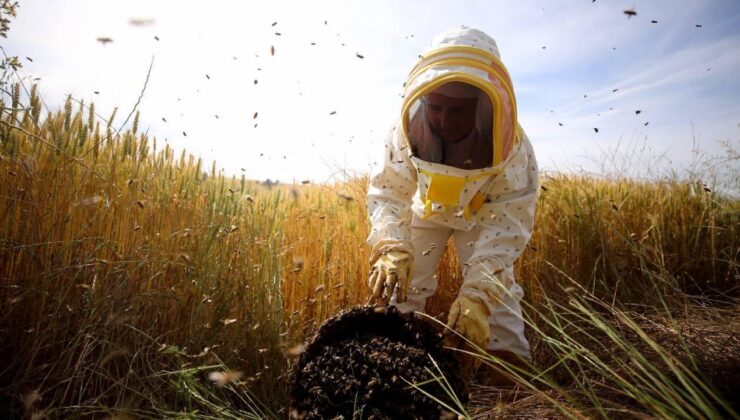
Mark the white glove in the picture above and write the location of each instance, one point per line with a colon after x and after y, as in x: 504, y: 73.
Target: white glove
x: 390, y: 270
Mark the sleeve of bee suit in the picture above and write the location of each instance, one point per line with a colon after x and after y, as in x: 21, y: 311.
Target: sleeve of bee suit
x: 392, y: 186
x: 505, y: 221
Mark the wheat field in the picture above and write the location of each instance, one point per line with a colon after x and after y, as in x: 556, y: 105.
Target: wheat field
x: 137, y: 283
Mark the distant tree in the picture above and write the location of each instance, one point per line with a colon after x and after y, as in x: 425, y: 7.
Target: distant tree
x: 269, y: 183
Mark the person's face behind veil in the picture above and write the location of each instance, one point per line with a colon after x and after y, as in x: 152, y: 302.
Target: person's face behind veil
x: 451, y: 118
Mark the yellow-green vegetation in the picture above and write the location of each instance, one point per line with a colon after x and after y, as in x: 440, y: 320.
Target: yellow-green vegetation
x: 135, y: 282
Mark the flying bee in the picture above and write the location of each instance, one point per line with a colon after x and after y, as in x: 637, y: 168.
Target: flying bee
x: 222, y: 379
x: 141, y: 22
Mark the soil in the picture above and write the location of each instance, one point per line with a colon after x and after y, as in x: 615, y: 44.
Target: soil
x: 359, y: 365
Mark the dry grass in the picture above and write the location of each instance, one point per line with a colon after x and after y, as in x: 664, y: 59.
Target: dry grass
x: 129, y: 274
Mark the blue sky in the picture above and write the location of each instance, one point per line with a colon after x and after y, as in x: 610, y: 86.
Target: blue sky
x: 682, y: 78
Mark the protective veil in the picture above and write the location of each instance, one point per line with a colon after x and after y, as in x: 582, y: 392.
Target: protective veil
x: 416, y: 202
x: 474, y: 151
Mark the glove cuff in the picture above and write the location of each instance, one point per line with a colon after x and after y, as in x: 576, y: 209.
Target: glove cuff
x: 386, y: 246
x: 479, y: 297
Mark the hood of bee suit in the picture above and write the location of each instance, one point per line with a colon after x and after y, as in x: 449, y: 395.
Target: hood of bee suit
x: 459, y: 63
x: 462, y: 63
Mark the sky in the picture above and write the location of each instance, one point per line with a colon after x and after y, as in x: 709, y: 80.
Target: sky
x: 320, y: 107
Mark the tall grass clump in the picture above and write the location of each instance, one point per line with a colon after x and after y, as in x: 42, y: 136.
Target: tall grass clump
x: 596, y: 358
x: 119, y: 260
x: 137, y: 282
x: 638, y: 242
x: 632, y: 294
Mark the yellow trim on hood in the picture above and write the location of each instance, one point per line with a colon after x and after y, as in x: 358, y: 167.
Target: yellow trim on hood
x: 469, y: 62
x: 484, y: 61
x: 475, y: 81
x: 466, y: 49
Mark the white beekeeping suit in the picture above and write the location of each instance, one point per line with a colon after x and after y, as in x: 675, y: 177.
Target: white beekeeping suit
x: 416, y: 201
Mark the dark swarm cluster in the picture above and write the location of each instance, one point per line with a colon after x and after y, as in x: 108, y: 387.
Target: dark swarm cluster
x: 360, y: 363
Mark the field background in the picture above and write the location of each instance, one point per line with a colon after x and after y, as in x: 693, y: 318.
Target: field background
x: 137, y: 283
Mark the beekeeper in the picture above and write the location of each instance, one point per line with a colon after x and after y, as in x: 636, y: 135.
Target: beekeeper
x: 456, y: 164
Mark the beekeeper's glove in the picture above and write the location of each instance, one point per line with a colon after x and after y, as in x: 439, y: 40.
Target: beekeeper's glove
x: 468, y: 318
x: 390, y: 270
